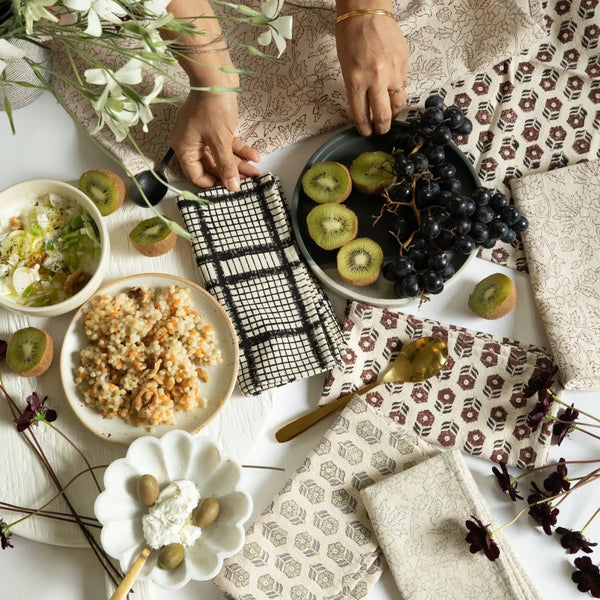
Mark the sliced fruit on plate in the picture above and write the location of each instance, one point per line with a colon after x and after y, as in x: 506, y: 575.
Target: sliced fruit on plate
x: 331, y: 225
x: 372, y: 172
x: 359, y: 262
x: 327, y: 182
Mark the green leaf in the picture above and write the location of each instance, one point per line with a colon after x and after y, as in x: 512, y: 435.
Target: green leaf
x: 8, y: 110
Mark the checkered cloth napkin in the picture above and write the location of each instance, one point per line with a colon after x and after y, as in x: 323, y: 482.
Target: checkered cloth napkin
x: 285, y: 324
x: 419, y: 519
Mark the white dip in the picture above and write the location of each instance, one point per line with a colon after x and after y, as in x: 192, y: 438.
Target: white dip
x: 169, y: 519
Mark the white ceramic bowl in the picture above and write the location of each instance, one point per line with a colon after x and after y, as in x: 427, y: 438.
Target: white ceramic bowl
x: 17, y: 198
x: 177, y: 455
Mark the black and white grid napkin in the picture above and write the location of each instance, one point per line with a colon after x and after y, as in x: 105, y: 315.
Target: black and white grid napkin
x: 285, y: 324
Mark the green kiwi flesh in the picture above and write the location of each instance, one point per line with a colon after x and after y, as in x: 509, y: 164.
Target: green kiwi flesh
x: 359, y: 262
x: 104, y: 188
x: 372, y: 172
x: 331, y: 225
x: 493, y: 297
x: 327, y: 182
x: 152, y: 237
x: 29, y: 352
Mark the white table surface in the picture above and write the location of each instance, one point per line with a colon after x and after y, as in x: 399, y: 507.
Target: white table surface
x: 48, y: 145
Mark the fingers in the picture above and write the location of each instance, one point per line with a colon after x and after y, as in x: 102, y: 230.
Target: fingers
x: 381, y: 110
x: 359, y: 110
x: 193, y: 169
x: 244, y: 151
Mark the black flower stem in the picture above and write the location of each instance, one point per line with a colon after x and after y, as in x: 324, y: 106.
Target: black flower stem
x: 89, y: 469
x: 559, y: 401
x: 590, y: 519
x: 29, y: 437
x: 49, y: 514
x: 592, y: 476
x: 556, y: 464
x: 57, y: 495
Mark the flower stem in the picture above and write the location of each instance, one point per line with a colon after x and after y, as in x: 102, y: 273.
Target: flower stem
x: 581, y: 412
x: 262, y: 467
x: 49, y: 514
x: 577, y: 428
x: 556, y: 464
x: 590, y: 519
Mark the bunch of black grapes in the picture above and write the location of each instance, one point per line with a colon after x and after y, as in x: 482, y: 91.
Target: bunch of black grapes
x: 434, y: 217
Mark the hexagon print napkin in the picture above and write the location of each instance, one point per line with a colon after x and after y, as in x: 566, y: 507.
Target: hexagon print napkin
x: 314, y: 540
x: 476, y: 403
x: 563, y: 254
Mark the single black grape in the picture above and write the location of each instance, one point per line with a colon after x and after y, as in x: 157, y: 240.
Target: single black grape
x: 457, y: 205
x: 419, y: 258
x: 399, y: 288
x: 497, y: 228
x: 404, y: 226
x: 432, y: 117
x: 509, y: 237
x: 454, y: 117
x: 433, y: 282
x: 443, y: 198
x: 484, y: 214
x: 498, y: 201
x: 460, y: 224
x: 436, y: 155
x: 521, y: 225
x: 489, y: 243
x: 431, y: 228
x: 448, y: 271
x: 424, y: 196
x: 479, y: 232
x: 434, y: 101
x: 398, y: 268
x: 419, y: 160
x: 410, y: 286
x: 401, y: 192
x: 470, y: 206
x: 446, y: 171
x: 452, y: 185
x: 482, y: 196
x: 464, y: 244
x: 465, y: 128
x: 438, y: 262
x: 445, y: 240
x: 441, y: 135
x: 510, y: 214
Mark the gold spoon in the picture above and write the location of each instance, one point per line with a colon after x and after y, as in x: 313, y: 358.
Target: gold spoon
x: 418, y: 360
x: 121, y: 592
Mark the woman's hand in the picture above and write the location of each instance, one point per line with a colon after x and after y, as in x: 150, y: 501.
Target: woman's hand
x: 205, y: 143
x: 373, y: 56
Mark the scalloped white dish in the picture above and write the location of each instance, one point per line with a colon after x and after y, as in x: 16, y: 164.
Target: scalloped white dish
x: 177, y: 455
x: 216, y: 391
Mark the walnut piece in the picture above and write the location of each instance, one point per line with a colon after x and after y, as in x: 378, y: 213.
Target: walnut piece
x: 160, y: 334
x: 76, y: 281
x: 146, y: 400
x: 15, y: 223
x: 140, y: 295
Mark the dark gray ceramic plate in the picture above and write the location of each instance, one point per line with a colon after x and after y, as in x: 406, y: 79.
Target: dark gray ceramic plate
x: 344, y: 148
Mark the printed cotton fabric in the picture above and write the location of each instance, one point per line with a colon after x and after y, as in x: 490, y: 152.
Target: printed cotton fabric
x: 315, y: 541
x: 563, y: 253
x: 475, y: 404
x: 419, y: 519
x: 285, y: 324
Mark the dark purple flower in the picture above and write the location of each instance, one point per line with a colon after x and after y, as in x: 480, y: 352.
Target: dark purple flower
x: 506, y: 482
x: 556, y: 482
x: 480, y: 539
x: 587, y: 577
x: 34, y: 412
x: 565, y: 424
x: 3, y: 347
x: 5, y: 535
x: 574, y: 541
x: 541, y: 510
x: 539, y: 382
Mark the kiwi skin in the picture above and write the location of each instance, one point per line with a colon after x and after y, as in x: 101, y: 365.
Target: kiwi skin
x: 500, y: 286
x: 120, y: 190
x: 13, y: 352
x: 344, y: 193
x: 156, y: 247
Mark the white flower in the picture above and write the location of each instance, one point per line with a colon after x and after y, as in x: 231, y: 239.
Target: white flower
x: 97, y: 10
x: 144, y: 107
x: 156, y: 7
x: 34, y: 10
x: 280, y: 28
x: 129, y: 74
x: 8, y: 52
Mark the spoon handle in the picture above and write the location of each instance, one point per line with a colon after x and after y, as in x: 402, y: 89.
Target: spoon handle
x: 131, y: 575
x: 300, y: 424
x: 166, y: 158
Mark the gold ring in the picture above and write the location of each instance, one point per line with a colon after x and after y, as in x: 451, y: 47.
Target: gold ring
x: 398, y: 90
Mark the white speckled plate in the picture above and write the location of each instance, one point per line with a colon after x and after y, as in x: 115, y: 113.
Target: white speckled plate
x: 216, y: 391
x: 176, y: 455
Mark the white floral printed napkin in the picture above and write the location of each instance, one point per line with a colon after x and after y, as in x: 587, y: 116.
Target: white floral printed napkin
x: 315, y: 541
x: 563, y: 254
x: 475, y: 404
x: 302, y: 94
x: 419, y: 519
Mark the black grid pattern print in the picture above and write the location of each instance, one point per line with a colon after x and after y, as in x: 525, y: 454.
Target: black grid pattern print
x: 286, y: 327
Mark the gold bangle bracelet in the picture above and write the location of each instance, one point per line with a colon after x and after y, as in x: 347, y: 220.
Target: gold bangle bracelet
x: 365, y: 11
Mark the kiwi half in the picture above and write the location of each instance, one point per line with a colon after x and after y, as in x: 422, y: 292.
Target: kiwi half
x: 152, y: 237
x: 327, y: 182
x: 104, y: 188
x: 493, y: 297
x: 372, y: 172
x: 359, y: 261
x: 331, y: 225
x: 29, y: 352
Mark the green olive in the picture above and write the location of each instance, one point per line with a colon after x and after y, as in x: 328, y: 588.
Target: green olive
x: 171, y: 556
x: 147, y: 490
x: 206, y: 512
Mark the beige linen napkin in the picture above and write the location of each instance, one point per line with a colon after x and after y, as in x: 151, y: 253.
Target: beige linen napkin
x: 563, y: 253
x: 314, y: 540
x: 419, y: 519
x: 476, y: 403
x: 301, y: 94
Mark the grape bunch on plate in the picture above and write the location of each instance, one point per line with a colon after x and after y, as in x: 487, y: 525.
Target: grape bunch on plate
x: 433, y: 217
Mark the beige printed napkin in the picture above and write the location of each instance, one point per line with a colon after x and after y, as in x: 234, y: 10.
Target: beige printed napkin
x: 301, y: 94
x: 476, y: 403
x: 315, y: 541
x: 419, y: 519
x: 563, y: 253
